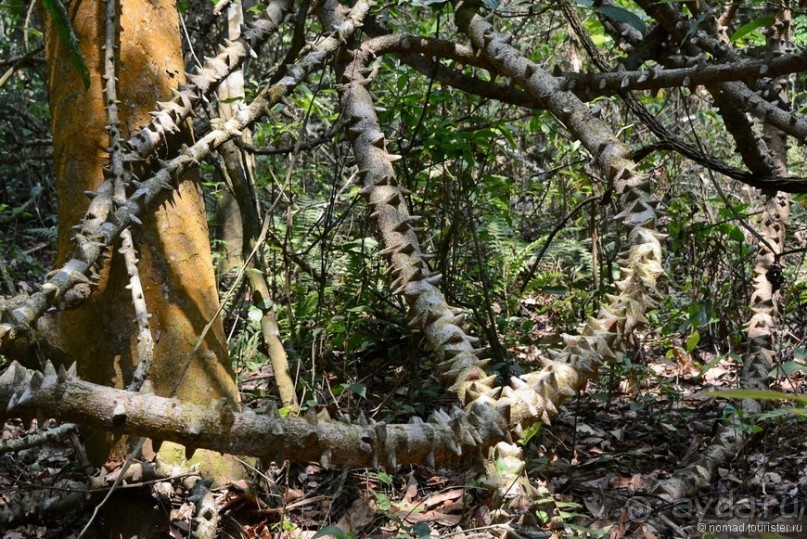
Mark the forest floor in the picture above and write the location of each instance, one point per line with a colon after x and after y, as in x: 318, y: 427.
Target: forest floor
x: 589, y: 468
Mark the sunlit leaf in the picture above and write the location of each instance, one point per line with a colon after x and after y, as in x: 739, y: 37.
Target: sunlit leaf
x: 384, y: 478
x: 747, y: 28
x: 693, y: 340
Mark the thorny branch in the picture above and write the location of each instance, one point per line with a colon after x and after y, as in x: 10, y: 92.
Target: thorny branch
x: 489, y: 413
x: 458, y: 434
x: 90, y: 247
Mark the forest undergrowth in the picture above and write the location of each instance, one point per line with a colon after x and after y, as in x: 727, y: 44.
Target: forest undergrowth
x: 647, y: 416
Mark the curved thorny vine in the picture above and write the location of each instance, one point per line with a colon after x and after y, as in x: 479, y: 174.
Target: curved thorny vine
x: 488, y: 416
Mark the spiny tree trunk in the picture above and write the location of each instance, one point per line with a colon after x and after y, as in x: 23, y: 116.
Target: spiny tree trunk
x: 175, y: 260
x: 764, y: 306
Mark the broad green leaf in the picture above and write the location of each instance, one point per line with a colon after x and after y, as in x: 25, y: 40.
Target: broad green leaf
x: 693, y: 340
x: 384, y: 478
x: 619, y: 14
x: 507, y: 134
x: 789, y: 367
x: 359, y: 390
x: 61, y: 21
x: 736, y: 234
x: 747, y: 28
x: 529, y: 433
x: 333, y: 531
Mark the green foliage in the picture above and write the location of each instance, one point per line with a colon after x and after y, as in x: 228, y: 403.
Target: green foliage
x: 620, y: 14
x: 61, y: 22
x: 752, y: 26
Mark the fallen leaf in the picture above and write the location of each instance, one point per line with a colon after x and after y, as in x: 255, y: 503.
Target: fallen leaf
x: 411, y: 489
x: 361, y: 513
x: 441, y: 497
x: 291, y: 494
x: 433, y: 516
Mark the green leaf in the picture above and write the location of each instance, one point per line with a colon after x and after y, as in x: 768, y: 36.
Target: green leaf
x: 786, y: 410
x: 62, y: 23
x: 736, y: 234
x: 789, y: 367
x: 529, y: 433
x: 384, y: 478
x: 694, y: 27
x: 693, y: 340
x: 747, y: 28
x: 421, y: 529
x: 757, y: 394
x: 382, y: 501
x: 619, y: 14
x: 507, y: 134
x: 360, y: 390
x: 333, y: 531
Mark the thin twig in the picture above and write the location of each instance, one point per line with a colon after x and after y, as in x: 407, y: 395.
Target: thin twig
x: 534, y: 266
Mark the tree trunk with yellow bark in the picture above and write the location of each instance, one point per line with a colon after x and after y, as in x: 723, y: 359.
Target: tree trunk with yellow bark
x: 173, y: 248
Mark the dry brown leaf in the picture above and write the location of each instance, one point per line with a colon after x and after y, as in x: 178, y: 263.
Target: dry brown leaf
x: 440, y: 497
x: 647, y: 534
x: 291, y: 494
x: 482, y: 516
x: 411, y: 489
x: 240, y: 484
x: 433, y: 516
x: 360, y: 514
